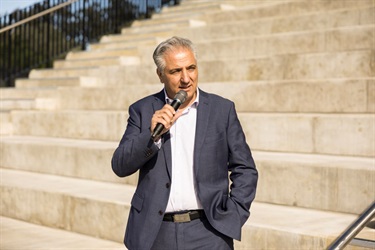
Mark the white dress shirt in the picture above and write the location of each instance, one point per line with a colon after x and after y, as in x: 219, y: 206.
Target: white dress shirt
x: 182, y: 133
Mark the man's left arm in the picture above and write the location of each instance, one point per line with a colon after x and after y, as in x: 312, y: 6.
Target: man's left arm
x: 243, y: 172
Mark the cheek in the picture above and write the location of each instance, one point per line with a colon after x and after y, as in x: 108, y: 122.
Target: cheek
x: 174, y: 79
x: 194, y: 75
x: 165, y: 79
x: 172, y: 82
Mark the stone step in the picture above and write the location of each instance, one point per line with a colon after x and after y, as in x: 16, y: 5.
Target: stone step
x: 324, y: 96
x: 63, y: 73
x: 81, y: 206
x: 315, y: 96
x: 348, y: 64
x: 321, y: 133
x: 23, y: 99
x: 342, y: 65
x: 317, y: 21
x: 5, y: 117
x: 334, y: 183
x: 338, y: 39
x: 131, y: 39
x: 120, y: 42
x: 235, y: 3
x: 282, y: 227
x: 183, y: 23
x: 338, y: 13
x: 105, y: 61
x: 40, y: 237
x: 176, y: 12
x: 324, y: 133
x: 197, y: 2
x: 162, y: 17
x: 183, y: 9
x: 6, y: 127
x: 27, y: 93
x: 32, y: 83
x: 17, y: 104
x: 28, y: 104
x: 100, y: 54
x: 88, y: 207
x: 104, y: 76
x: 35, y: 85
x: 85, y: 159
x: 291, y: 8
x: 103, y: 98
x: 205, y: 2
x: 92, y: 125
x: 132, y: 42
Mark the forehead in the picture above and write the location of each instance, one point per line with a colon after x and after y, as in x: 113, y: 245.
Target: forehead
x: 179, y: 57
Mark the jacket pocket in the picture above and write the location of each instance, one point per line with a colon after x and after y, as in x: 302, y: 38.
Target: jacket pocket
x: 137, y: 202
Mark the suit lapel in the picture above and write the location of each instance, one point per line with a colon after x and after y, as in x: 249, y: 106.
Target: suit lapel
x: 166, y: 143
x: 203, y: 112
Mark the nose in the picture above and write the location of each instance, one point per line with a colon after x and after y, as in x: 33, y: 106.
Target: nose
x: 185, y: 78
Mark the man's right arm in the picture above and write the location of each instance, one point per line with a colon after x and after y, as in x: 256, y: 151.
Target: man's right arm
x: 135, y: 149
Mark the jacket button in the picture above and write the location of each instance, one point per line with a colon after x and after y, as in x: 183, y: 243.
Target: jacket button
x: 160, y: 212
x: 167, y: 185
x: 148, y: 152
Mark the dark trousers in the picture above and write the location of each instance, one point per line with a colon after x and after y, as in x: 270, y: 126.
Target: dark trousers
x: 196, y: 234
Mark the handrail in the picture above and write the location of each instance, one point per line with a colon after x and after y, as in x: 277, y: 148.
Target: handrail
x: 36, y: 36
x: 26, y: 20
x: 353, y: 229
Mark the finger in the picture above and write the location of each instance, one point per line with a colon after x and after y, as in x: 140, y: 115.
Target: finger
x: 163, y: 118
x: 160, y: 118
x: 168, y: 109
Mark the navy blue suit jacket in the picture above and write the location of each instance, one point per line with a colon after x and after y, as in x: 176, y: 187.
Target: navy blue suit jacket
x: 220, y: 146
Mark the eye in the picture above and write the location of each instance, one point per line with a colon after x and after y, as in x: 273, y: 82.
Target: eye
x: 192, y: 68
x: 174, y: 71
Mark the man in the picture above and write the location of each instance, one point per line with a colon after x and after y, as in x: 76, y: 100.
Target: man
x: 183, y: 199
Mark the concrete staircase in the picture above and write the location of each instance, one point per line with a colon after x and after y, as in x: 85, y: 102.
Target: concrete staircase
x: 302, y: 75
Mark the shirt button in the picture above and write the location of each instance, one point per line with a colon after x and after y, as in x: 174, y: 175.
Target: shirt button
x: 160, y: 212
x: 167, y: 185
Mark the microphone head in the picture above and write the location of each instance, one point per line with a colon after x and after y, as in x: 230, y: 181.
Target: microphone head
x: 181, y: 96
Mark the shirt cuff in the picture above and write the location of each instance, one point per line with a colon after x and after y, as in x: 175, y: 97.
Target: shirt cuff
x: 158, y: 143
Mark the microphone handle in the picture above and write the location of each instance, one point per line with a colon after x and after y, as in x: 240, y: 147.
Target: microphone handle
x: 159, y: 127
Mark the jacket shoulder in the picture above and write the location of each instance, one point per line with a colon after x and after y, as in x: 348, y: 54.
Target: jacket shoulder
x: 216, y: 99
x: 148, y: 100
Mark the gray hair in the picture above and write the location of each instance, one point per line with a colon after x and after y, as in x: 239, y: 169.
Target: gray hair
x: 168, y: 45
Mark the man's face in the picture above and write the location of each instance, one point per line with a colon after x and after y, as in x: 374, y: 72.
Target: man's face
x: 180, y: 73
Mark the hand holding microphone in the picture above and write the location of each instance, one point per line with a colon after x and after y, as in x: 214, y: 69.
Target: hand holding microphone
x: 167, y: 115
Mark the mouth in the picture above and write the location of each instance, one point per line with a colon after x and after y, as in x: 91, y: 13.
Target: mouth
x: 184, y: 87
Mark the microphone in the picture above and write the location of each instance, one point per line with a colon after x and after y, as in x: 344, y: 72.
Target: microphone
x: 179, y: 99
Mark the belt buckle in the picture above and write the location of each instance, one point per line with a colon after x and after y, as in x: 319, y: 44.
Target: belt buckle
x: 181, y: 217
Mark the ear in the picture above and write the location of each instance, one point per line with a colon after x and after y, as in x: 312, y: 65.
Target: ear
x: 160, y: 75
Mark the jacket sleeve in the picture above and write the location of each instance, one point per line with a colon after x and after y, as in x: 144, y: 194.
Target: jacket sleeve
x: 243, y: 172
x: 136, y: 147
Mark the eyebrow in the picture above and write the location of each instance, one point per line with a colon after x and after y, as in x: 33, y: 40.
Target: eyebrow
x: 179, y: 68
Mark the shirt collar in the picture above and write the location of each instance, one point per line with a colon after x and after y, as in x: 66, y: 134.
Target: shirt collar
x: 194, y: 104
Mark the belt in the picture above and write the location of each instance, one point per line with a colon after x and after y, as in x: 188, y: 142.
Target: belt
x: 184, y: 217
